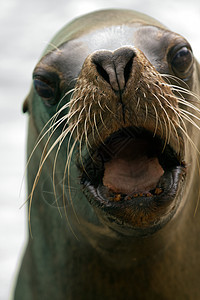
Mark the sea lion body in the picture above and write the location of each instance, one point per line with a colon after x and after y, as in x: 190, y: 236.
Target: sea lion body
x: 101, y: 79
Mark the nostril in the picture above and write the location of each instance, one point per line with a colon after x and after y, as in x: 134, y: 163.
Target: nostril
x: 102, y: 73
x: 104, y: 65
x: 115, y: 67
x: 123, y: 58
x: 127, y: 70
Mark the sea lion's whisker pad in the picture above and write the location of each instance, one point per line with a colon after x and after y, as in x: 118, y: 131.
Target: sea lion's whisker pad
x: 113, y: 146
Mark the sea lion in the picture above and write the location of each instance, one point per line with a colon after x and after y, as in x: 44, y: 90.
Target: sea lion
x: 113, y: 169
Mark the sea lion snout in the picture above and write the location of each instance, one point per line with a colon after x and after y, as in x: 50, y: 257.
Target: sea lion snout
x: 115, y: 66
x: 122, y: 106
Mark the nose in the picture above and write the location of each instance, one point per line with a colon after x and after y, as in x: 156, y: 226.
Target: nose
x: 115, y: 67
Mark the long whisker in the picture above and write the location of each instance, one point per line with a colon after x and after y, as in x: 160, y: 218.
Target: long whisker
x: 186, y: 117
x: 102, y: 121
x: 196, y: 152
x: 156, y: 114
x: 67, y: 168
x: 69, y: 189
x: 44, y: 158
x: 175, y: 78
x: 167, y: 128
x: 96, y: 127
x: 52, y: 125
x: 87, y: 143
x: 80, y: 153
x: 54, y: 167
x: 198, y: 198
x: 138, y: 103
x: 146, y: 112
x: 110, y: 110
x: 187, y: 104
x: 53, y: 46
x: 188, y: 138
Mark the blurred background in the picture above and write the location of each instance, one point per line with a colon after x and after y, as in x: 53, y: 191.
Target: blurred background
x: 26, y: 26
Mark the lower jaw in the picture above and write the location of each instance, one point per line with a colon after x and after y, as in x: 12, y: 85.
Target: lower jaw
x: 139, y: 216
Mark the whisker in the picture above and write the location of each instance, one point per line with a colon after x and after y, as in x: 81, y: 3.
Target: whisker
x: 67, y: 170
x: 184, y: 91
x: 110, y: 111
x: 189, y: 113
x: 54, y: 167
x: 188, y: 138
x: 40, y: 138
x: 156, y: 114
x: 80, y: 153
x: 95, y: 124
x: 99, y: 102
x: 53, y: 46
x: 175, y: 78
x: 198, y: 198
x: 187, y: 104
x: 102, y: 121
x: 167, y: 128
x: 67, y: 166
x: 138, y: 104
x: 43, y: 159
x: 186, y: 117
x: 55, y: 116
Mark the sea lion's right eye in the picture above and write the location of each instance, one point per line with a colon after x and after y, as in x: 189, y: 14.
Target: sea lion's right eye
x: 43, y: 89
x: 46, y: 89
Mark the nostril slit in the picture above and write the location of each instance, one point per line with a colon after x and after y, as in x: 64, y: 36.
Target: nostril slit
x: 103, y: 73
x: 114, y: 67
x: 127, y: 70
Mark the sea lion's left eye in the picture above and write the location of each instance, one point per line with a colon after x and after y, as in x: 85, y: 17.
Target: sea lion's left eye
x: 182, y: 61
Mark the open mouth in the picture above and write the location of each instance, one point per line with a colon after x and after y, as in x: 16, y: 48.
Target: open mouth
x: 133, y: 169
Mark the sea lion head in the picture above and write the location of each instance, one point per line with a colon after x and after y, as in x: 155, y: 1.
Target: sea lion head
x: 115, y: 93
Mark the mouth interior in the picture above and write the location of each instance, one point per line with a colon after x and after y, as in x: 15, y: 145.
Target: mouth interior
x: 133, y: 169
x: 132, y: 163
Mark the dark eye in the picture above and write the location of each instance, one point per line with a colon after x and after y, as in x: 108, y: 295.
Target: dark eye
x: 46, y: 89
x: 182, y: 61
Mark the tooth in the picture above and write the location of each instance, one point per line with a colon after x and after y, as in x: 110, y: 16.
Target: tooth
x: 158, y: 191
x: 117, y: 197
x: 141, y: 194
x: 149, y: 195
x: 135, y: 195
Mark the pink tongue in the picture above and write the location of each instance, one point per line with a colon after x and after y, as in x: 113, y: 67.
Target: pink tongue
x: 127, y: 176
